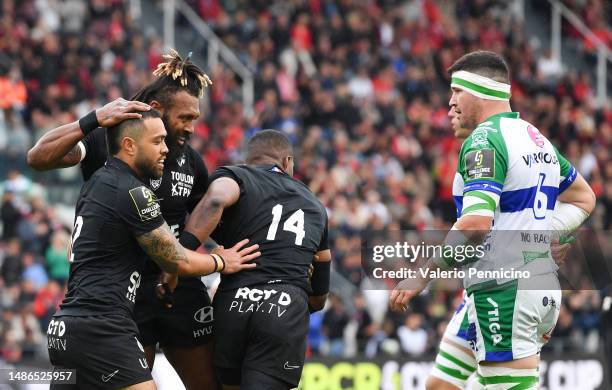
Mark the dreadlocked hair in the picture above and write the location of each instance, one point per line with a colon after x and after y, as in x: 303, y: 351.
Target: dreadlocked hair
x: 174, y: 75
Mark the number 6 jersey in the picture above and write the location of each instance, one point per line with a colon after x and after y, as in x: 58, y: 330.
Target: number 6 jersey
x: 281, y: 215
x: 508, y: 170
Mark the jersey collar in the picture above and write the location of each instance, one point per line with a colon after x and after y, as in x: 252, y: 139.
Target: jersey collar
x: 272, y: 168
x: 513, y: 115
x: 120, y: 164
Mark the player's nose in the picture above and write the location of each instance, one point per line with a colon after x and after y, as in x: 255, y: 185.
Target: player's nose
x: 189, y: 129
x: 164, y: 149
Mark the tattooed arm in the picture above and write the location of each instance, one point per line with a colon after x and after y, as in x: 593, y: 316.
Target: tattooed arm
x: 163, y: 248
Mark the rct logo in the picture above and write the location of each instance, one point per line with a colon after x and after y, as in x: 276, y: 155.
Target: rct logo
x: 255, y: 295
x: 204, y: 315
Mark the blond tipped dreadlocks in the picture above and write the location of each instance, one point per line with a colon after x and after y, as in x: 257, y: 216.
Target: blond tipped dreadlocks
x: 171, y: 76
x: 174, y: 67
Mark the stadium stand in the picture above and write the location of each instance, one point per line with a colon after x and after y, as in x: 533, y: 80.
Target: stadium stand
x: 361, y: 89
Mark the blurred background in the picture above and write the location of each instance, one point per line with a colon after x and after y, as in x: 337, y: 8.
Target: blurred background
x: 361, y: 89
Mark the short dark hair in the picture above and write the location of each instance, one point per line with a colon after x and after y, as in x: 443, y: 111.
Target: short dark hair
x: 130, y: 127
x: 483, y: 63
x: 174, y: 75
x: 268, y: 144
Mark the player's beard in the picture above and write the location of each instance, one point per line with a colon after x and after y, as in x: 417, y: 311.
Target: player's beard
x: 147, y: 168
x: 174, y: 149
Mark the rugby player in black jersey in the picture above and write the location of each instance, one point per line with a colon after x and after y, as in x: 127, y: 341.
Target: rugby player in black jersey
x: 183, y: 331
x: 118, y: 228
x: 262, y: 315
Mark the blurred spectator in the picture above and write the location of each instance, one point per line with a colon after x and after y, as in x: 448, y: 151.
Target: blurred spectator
x: 365, y: 326
x: 10, y: 216
x: 47, y: 301
x: 12, y: 268
x: 412, y: 336
x: 34, y: 272
x: 56, y: 257
x: 334, y: 321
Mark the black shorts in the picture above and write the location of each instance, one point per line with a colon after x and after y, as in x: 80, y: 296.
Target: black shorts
x: 104, y: 350
x: 188, y: 323
x: 261, y: 328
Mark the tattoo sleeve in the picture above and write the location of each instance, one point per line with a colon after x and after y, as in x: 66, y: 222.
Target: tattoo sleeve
x: 163, y: 248
x: 72, y: 158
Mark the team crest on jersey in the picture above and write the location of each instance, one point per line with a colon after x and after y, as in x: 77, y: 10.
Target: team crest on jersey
x: 181, y: 160
x: 535, y: 136
x: 479, y: 137
x: 155, y: 183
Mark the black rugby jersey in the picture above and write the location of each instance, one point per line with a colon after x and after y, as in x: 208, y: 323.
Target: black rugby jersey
x: 281, y: 215
x: 183, y: 184
x: 106, y: 261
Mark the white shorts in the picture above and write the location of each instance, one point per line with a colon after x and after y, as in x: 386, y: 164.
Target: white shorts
x: 512, y: 318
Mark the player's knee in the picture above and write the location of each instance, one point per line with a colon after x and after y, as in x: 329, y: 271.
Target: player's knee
x: 434, y: 383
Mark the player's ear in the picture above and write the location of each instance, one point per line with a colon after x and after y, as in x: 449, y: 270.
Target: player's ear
x: 288, y: 165
x: 129, y: 145
x: 157, y: 105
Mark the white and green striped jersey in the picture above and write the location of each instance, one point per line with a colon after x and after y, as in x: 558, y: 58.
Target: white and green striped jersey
x: 507, y: 169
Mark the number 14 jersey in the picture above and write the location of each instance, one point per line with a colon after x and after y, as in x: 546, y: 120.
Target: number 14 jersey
x: 281, y: 215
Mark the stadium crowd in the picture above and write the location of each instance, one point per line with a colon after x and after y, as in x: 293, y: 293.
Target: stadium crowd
x: 361, y: 89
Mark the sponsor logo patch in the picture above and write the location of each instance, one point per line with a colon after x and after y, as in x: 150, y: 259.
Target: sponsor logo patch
x: 204, y: 315
x: 535, y: 136
x: 540, y: 158
x: 145, y: 202
x: 480, y: 164
x: 106, y: 378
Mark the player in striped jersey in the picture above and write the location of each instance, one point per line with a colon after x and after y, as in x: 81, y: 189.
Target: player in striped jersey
x: 455, y: 361
x: 512, y: 180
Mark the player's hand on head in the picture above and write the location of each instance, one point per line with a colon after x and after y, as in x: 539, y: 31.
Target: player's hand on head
x: 166, y: 284
x: 237, y: 258
x: 119, y: 110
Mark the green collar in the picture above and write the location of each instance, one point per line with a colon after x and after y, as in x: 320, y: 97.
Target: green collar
x: 513, y: 115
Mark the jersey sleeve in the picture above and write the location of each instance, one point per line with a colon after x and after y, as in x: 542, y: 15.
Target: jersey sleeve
x: 139, y: 209
x: 227, y: 172
x: 567, y: 170
x: 324, y: 244
x: 483, y: 163
x: 94, y: 152
x: 201, y: 182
